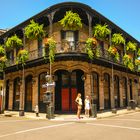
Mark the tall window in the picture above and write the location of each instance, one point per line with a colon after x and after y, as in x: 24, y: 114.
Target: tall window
x: 71, y: 37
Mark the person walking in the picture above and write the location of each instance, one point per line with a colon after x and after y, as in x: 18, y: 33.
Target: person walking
x: 87, y: 106
x: 78, y: 100
x: 36, y: 110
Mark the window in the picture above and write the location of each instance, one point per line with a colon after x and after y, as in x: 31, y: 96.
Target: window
x: 71, y: 37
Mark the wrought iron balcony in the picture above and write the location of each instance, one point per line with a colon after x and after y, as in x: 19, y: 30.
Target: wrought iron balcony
x: 66, y: 47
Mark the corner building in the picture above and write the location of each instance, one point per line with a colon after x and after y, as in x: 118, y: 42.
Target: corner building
x: 110, y: 84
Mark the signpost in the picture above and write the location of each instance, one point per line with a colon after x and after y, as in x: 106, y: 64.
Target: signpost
x: 48, y: 96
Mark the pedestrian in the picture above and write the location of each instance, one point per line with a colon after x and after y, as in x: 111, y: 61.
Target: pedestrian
x: 87, y: 106
x: 36, y: 111
x: 78, y: 100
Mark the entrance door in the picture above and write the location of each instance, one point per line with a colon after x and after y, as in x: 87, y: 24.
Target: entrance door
x: 7, y: 95
x: 28, y: 93
x: 67, y: 86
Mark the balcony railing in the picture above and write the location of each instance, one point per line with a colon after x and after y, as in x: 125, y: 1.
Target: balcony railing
x: 66, y: 47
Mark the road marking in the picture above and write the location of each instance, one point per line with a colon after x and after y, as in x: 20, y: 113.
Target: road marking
x: 134, y: 120
x: 15, y: 121
x: 34, y: 129
x: 115, y: 126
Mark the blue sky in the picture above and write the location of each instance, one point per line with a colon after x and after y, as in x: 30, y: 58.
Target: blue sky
x: 124, y: 13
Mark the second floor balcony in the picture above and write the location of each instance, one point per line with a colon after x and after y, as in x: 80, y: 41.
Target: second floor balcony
x: 66, y: 47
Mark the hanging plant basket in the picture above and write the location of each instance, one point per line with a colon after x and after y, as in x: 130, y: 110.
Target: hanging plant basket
x: 51, y: 44
x: 71, y: 21
x: 2, y: 51
x: 34, y: 30
x: 130, y: 46
x: 138, y: 52
x: 22, y: 56
x: 137, y: 62
x: 114, y: 53
x: 128, y: 62
x: 91, y: 48
x: 13, y: 41
x: 3, y: 61
x: 117, y: 39
x: 101, y: 31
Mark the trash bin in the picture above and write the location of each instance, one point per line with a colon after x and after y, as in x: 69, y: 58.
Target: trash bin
x: 132, y: 104
x: 50, y: 112
x: 93, y: 110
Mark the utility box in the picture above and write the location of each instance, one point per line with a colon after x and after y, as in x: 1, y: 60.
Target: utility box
x: 93, y: 110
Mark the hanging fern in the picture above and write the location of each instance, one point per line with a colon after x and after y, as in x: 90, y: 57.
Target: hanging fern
x: 130, y: 46
x: 101, y: 31
x: 128, y: 61
x: 34, y: 30
x: 117, y: 39
x: 2, y: 51
x: 13, y: 41
x: 22, y: 56
x: 52, y: 47
x: 71, y: 21
x: 3, y: 61
x: 114, y: 52
x: 91, y: 49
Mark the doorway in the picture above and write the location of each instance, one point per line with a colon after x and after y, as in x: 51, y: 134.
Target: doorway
x: 68, y: 84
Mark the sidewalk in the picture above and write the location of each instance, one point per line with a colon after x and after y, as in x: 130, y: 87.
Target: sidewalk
x: 68, y: 117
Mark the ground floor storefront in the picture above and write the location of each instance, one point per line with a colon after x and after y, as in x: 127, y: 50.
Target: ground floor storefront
x: 108, y: 88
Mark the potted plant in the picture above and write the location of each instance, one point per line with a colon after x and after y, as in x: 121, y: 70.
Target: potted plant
x: 101, y: 31
x: 22, y: 56
x: 130, y: 46
x: 138, y: 52
x: 71, y: 21
x: 34, y: 30
x: 51, y: 44
x: 117, y: 39
x: 137, y: 62
x: 128, y: 61
x: 3, y: 60
x: 91, y: 44
x: 114, y: 53
x: 2, y: 51
x: 13, y: 41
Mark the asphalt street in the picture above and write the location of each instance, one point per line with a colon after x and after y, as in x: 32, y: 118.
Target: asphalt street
x: 126, y: 127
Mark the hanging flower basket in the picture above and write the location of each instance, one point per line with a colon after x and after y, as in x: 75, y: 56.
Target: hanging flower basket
x: 51, y: 44
x: 128, y: 61
x: 130, y: 46
x: 137, y: 62
x: 114, y: 53
x: 13, y: 41
x: 117, y: 39
x: 71, y: 21
x: 3, y: 59
x: 101, y: 31
x: 22, y: 56
x: 92, y: 51
x: 2, y: 51
x: 34, y: 30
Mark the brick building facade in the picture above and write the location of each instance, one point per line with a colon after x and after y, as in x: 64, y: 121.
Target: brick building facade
x: 109, y: 84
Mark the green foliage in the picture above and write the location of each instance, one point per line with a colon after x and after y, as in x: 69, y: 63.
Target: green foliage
x: 128, y: 62
x: 52, y: 47
x: 13, y: 41
x: 90, y: 48
x: 2, y: 51
x: 137, y: 62
x: 117, y: 39
x: 130, y: 46
x: 3, y: 61
x: 101, y: 31
x: 71, y: 21
x: 114, y: 53
x: 22, y: 56
x: 34, y: 30
x: 138, y: 52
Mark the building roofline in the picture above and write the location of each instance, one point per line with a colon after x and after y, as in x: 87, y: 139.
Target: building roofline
x: 59, y: 5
